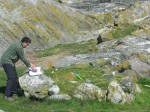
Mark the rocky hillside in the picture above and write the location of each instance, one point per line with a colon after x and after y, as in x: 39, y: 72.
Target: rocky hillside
x: 119, y: 28
x: 51, y: 22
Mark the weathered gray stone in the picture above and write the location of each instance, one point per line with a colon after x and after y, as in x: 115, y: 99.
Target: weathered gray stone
x: 89, y: 91
x: 54, y: 90
x: 60, y: 97
x: 1, y: 110
x: 131, y: 74
x: 129, y: 86
x: 142, y: 69
x: 35, y: 86
x: 117, y: 95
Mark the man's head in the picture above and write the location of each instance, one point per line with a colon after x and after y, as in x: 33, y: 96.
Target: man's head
x: 25, y: 41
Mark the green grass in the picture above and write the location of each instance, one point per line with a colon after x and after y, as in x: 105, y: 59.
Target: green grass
x: 61, y: 77
x: 23, y: 104
x: 73, y: 48
x: 126, y: 30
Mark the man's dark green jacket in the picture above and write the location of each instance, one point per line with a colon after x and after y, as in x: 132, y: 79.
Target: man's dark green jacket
x: 14, y: 52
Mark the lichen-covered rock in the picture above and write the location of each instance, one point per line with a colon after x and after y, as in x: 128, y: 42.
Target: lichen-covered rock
x: 49, y: 23
x: 35, y: 86
x: 89, y: 91
x: 143, y: 57
x: 133, y: 15
x: 118, y: 67
x: 126, y: 64
x: 103, y: 62
x: 117, y: 95
x: 107, y: 35
x: 131, y: 74
x: 129, y: 86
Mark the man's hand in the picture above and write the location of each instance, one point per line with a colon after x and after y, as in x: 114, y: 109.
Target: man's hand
x: 33, y: 67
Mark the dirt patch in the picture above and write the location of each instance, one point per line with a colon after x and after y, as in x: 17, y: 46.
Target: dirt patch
x: 43, y: 62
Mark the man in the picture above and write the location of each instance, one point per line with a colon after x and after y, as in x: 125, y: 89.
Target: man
x: 14, y: 52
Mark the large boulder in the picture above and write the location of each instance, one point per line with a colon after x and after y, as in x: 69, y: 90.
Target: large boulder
x: 117, y: 95
x: 89, y: 91
x: 35, y: 86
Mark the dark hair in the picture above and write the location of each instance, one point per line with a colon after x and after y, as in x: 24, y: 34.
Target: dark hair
x: 26, y: 40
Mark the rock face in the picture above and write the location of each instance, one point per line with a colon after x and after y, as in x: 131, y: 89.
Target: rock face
x: 35, y: 86
x: 50, y: 22
x: 47, y: 23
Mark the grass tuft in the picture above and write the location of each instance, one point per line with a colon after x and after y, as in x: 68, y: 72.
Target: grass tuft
x: 126, y: 30
x: 74, y: 48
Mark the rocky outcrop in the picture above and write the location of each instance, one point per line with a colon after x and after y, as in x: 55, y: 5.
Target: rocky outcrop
x: 49, y: 23
x: 129, y: 53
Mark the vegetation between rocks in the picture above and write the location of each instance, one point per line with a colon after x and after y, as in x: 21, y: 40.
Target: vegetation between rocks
x: 124, y: 31
x: 73, y: 48
x: 23, y: 104
x: 64, y: 79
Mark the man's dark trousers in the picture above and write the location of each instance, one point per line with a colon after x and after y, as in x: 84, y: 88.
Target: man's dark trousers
x: 12, y: 79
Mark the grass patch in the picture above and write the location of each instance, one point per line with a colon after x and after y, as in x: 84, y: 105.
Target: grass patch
x: 126, y: 30
x: 80, y: 48
x: 63, y: 76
